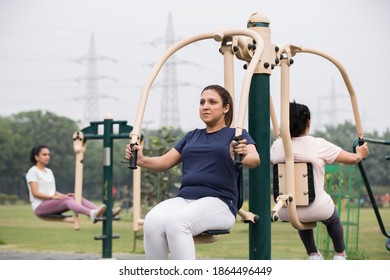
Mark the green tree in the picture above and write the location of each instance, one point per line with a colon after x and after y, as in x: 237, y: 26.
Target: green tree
x: 375, y: 165
x: 158, y: 186
x: 93, y: 170
x: 22, y: 131
x: 341, y: 135
x: 122, y: 175
x: 6, y: 144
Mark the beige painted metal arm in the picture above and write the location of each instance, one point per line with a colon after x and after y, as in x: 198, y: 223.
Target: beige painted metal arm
x: 287, y: 143
x: 247, y: 217
x: 135, y: 133
x: 290, y: 51
x: 137, y: 220
x: 228, y: 66
x: 347, y: 81
x: 274, y: 119
x: 218, y: 36
x: 228, y: 54
x: 240, y: 121
x: 79, y: 147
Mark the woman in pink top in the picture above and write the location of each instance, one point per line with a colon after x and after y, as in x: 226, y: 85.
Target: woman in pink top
x: 318, y: 152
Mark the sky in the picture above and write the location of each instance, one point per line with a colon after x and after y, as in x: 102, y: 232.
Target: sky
x: 44, y: 47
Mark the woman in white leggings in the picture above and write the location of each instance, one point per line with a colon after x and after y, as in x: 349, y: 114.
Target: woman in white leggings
x: 208, y: 195
x: 177, y: 220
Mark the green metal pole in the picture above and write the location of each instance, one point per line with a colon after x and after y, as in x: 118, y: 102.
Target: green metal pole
x: 107, y: 187
x: 259, y: 128
x: 92, y: 132
x: 259, y: 178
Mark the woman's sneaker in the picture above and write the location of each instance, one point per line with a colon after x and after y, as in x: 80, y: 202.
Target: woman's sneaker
x: 338, y: 257
x: 116, y: 211
x: 98, y: 212
x: 316, y: 257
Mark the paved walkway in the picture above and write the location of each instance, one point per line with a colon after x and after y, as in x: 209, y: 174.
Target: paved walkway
x: 16, y: 255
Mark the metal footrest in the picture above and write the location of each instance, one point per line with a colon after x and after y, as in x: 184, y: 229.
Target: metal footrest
x: 216, y: 231
x: 56, y: 216
x: 101, y: 237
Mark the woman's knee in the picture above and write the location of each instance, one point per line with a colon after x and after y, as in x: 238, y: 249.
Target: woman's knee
x: 68, y: 201
x: 154, y: 222
x: 332, y: 220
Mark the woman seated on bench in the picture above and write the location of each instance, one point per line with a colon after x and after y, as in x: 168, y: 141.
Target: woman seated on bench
x: 208, y: 195
x: 44, y: 198
x: 318, y: 152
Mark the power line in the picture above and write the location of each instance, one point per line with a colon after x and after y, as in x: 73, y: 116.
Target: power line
x: 91, y: 96
x: 169, y: 104
x: 170, y: 114
x: 332, y: 110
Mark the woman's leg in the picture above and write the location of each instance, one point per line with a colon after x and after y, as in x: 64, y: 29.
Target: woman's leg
x: 55, y: 206
x: 155, y: 240
x: 198, y: 216
x: 335, y: 231
x: 307, y: 237
x: 86, y: 203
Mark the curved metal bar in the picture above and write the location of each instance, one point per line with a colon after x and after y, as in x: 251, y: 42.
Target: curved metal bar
x: 287, y: 143
x: 377, y: 141
x: 289, y: 51
x: 347, y: 81
x: 218, y: 36
x: 228, y: 73
x: 274, y: 119
x: 135, y: 133
x: 247, y: 79
x: 368, y: 186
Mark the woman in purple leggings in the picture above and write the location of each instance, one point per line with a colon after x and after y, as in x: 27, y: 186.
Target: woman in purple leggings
x: 44, y: 197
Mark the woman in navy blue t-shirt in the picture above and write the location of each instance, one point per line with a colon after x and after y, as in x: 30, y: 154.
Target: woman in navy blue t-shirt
x: 208, y: 195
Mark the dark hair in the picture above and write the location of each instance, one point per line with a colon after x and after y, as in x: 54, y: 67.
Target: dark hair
x: 226, y: 100
x: 35, y: 151
x: 299, y: 117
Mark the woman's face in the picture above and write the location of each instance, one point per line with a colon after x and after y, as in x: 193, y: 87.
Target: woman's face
x: 43, y: 157
x: 211, y: 109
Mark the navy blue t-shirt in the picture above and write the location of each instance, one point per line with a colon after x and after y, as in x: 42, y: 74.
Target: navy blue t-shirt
x: 208, y: 169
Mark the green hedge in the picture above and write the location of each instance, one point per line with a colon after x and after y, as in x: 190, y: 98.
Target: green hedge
x: 11, y: 198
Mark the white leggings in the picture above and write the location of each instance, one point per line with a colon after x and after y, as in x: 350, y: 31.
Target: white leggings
x: 171, y: 225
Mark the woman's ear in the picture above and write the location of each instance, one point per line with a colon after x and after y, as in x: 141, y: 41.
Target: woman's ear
x: 308, y: 126
x: 226, y: 108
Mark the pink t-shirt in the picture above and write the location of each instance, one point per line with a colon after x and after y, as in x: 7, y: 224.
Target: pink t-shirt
x: 318, y: 152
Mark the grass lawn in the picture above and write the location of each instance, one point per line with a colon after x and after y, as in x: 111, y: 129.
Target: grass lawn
x: 21, y: 230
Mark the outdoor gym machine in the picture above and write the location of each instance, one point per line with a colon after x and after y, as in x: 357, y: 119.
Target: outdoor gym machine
x: 289, y: 197
x: 108, y: 135
x: 257, y: 51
